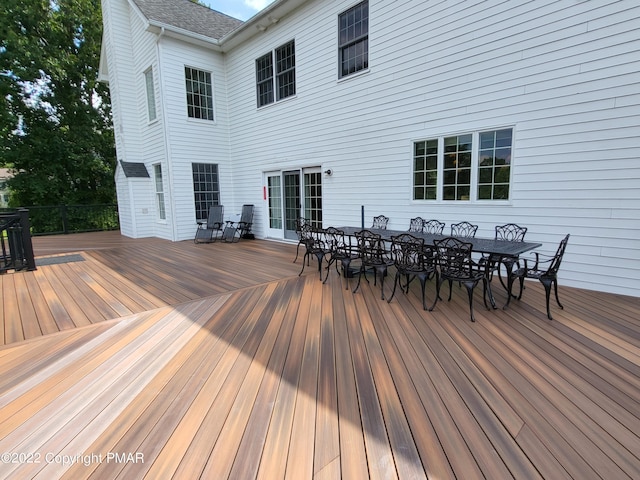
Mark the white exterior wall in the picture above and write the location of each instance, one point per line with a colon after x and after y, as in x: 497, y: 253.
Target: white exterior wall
x: 124, y: 35
x: 564, y: 74
x: 192, y: 140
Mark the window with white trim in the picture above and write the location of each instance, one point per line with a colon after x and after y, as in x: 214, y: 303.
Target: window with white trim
x: 276, y: 80
x: 206, y: 188
x: 199, y: 93
x: 468, y: 167
x: 151, y: 94
x: 353, y: 39
x: 157, y: 176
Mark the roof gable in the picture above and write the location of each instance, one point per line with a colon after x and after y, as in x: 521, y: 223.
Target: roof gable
x: 188, y: 16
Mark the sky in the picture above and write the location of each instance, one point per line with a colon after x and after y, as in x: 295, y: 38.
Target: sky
x: 240, y: 9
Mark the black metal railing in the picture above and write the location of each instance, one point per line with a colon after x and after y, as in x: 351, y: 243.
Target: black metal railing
x: 63, y: 219
x: 15, y: 241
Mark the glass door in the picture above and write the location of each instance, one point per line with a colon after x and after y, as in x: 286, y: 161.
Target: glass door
x: 292, y: 203
x: 292, y: 194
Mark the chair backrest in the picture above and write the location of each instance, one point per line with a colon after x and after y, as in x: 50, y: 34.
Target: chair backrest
x: 370, y: 246
x: 416, y: 224
x: 463, y: 229
x: 300, y: 223
x: 334, y: 238
x: 380, y: 222
x: 216, y: 217
x: 433, y: 226
x: 554, y: 265
x: 407, y: 252
x: 511, y: 232
x: 453, y: 257
x: 247, y: 214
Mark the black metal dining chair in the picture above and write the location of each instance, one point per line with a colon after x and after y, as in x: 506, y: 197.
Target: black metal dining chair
x: 300, y: 223
x: 545, y: 269
x: 373, y: 256
x: 463, y: 229
x: 315, y: 245
x: 380, y: 222
x: 411, y: 261
x: 340, y: 251
x: 416, y: 224
x: 455, y: 264
x: 433, y: 226
x: 508, y: 232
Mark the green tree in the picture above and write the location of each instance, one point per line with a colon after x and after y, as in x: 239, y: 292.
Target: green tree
x: 55, y: 131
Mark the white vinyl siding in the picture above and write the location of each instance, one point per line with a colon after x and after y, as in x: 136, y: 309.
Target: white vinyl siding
x: 562, y: 74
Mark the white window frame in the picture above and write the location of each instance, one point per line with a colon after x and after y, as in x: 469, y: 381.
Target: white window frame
x: 275, y: 76
x: 475, y: 167
x: 152, y: 113
x: 352, y: 41
x: 194, y: 89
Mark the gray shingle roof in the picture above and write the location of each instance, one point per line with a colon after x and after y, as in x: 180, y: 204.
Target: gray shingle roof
x: 134, y: 170
x: 189, y: 16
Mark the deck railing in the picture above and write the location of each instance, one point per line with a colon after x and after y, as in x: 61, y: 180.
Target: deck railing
x: 63, y: 219
x: 15, y: 240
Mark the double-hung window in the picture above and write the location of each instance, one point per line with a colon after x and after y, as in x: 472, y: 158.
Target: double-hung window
x: 206, y: 188
x: 151, y: 94
x: 199, y: 93
x: 353, y: 39
x: 471, y: 166
x: 276, y: 74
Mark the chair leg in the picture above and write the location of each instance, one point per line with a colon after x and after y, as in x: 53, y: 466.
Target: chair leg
x: 548, y: 282
x: 555, y: 287
x: 395, y: 284
x: 439, y: 282
x: 470, y: 294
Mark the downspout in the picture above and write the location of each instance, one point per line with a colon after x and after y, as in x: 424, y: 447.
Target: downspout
x: 167, y: 150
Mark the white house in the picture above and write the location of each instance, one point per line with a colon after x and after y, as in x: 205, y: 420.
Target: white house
x: 488, y: 111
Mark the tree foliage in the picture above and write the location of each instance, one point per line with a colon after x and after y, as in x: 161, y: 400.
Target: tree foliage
x: 55, y: 117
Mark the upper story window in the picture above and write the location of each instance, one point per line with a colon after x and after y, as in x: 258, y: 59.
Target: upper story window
x: 151, y: 94
x: 199, y: 93
x: 276, y: 80
x: 353, y: 40
x: 443, y: 168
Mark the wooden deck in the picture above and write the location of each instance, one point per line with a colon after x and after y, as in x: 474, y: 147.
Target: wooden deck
x: 151, y: 359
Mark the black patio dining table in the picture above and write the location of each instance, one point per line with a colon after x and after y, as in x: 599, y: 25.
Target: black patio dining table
x: 503, y: 249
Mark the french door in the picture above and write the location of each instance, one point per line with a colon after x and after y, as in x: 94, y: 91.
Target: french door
x: 292, y: 194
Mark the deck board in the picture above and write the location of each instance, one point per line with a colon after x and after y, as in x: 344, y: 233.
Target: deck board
x: 219, y: 361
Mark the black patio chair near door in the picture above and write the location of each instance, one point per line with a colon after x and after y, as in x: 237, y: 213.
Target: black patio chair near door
x: 245, y: 223
x: 455, y: 264
x: 211, y: 229
x: 300, y: 233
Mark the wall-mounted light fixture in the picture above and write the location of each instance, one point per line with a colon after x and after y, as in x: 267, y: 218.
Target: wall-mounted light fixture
x: 328, y: 172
